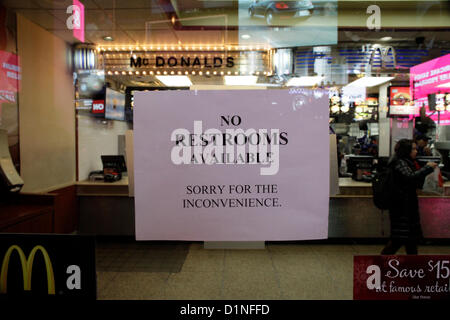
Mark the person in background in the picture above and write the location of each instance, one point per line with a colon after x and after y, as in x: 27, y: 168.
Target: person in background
x: 423, y: 124
x: 422, y: 145
x: 404, y: 212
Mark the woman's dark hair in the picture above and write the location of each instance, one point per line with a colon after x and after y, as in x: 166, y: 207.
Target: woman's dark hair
x: 403, y: 149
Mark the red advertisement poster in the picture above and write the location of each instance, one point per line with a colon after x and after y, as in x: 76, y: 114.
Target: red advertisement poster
x: 400, y: 102
x: 9, y: 76
x: 422, y: 277
x: 400, y: 96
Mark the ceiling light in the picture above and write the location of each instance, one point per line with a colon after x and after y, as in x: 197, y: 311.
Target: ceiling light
x: 245, y: 36
x: 304, y: 81
x: 370, y: 81
x: 240, y: 80
x: 108, y: 38
x: 175, y: 81
x: 386, y: 38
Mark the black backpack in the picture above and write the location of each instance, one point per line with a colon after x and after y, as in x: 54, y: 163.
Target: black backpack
x: 383, y: 187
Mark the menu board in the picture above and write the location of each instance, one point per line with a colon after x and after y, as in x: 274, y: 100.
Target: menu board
x: 400, y: 102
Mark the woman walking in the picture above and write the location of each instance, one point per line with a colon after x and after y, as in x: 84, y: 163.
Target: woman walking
x: 404, y: 211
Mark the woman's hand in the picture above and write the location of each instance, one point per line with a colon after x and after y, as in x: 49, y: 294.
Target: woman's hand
x: 432, y: 164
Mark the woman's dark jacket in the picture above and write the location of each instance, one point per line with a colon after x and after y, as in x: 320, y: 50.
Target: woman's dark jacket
x: 404, y: 212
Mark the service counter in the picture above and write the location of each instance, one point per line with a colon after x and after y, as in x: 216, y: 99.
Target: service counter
x: 107, y: 209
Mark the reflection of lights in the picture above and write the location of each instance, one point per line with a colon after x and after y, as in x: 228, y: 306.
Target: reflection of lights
x: 240, y: 80
x: 175, y: 81
x: 335, y: 109
x: 303, y: 81
x: 318, y: 94
x: 370, y: 81
x: 345, y: 108
x: 245, y: 36
x: 386, y: 38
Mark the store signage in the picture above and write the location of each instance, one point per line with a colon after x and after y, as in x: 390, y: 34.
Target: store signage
x: 61, y: 266
x: 426, y: 78
x: 10, y: 76
x: 98, y: 106
x: 208, y: 62
x: 386, y: 53
x: 419, y: 277
x: 234, y: 155
x: 353, y: 93
x: 146, y: 60
x: 75, y: 21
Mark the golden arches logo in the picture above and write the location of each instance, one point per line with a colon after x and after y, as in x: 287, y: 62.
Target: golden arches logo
x: 27, y: 268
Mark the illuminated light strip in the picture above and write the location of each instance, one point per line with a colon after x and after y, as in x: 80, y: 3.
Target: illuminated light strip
x: 187, y: 48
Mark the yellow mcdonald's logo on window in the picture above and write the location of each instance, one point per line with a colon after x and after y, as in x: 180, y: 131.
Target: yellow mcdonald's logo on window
x: 27, y: 268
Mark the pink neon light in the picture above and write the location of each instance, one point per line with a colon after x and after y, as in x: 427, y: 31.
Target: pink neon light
x: 78, y: 30
x: 426, y: 77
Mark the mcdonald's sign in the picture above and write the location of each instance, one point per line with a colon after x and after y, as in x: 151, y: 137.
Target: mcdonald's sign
x: 63, y: 265
x: 27, y: 268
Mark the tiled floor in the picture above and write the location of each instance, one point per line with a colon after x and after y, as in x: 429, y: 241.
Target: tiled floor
x: 146, y: 270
